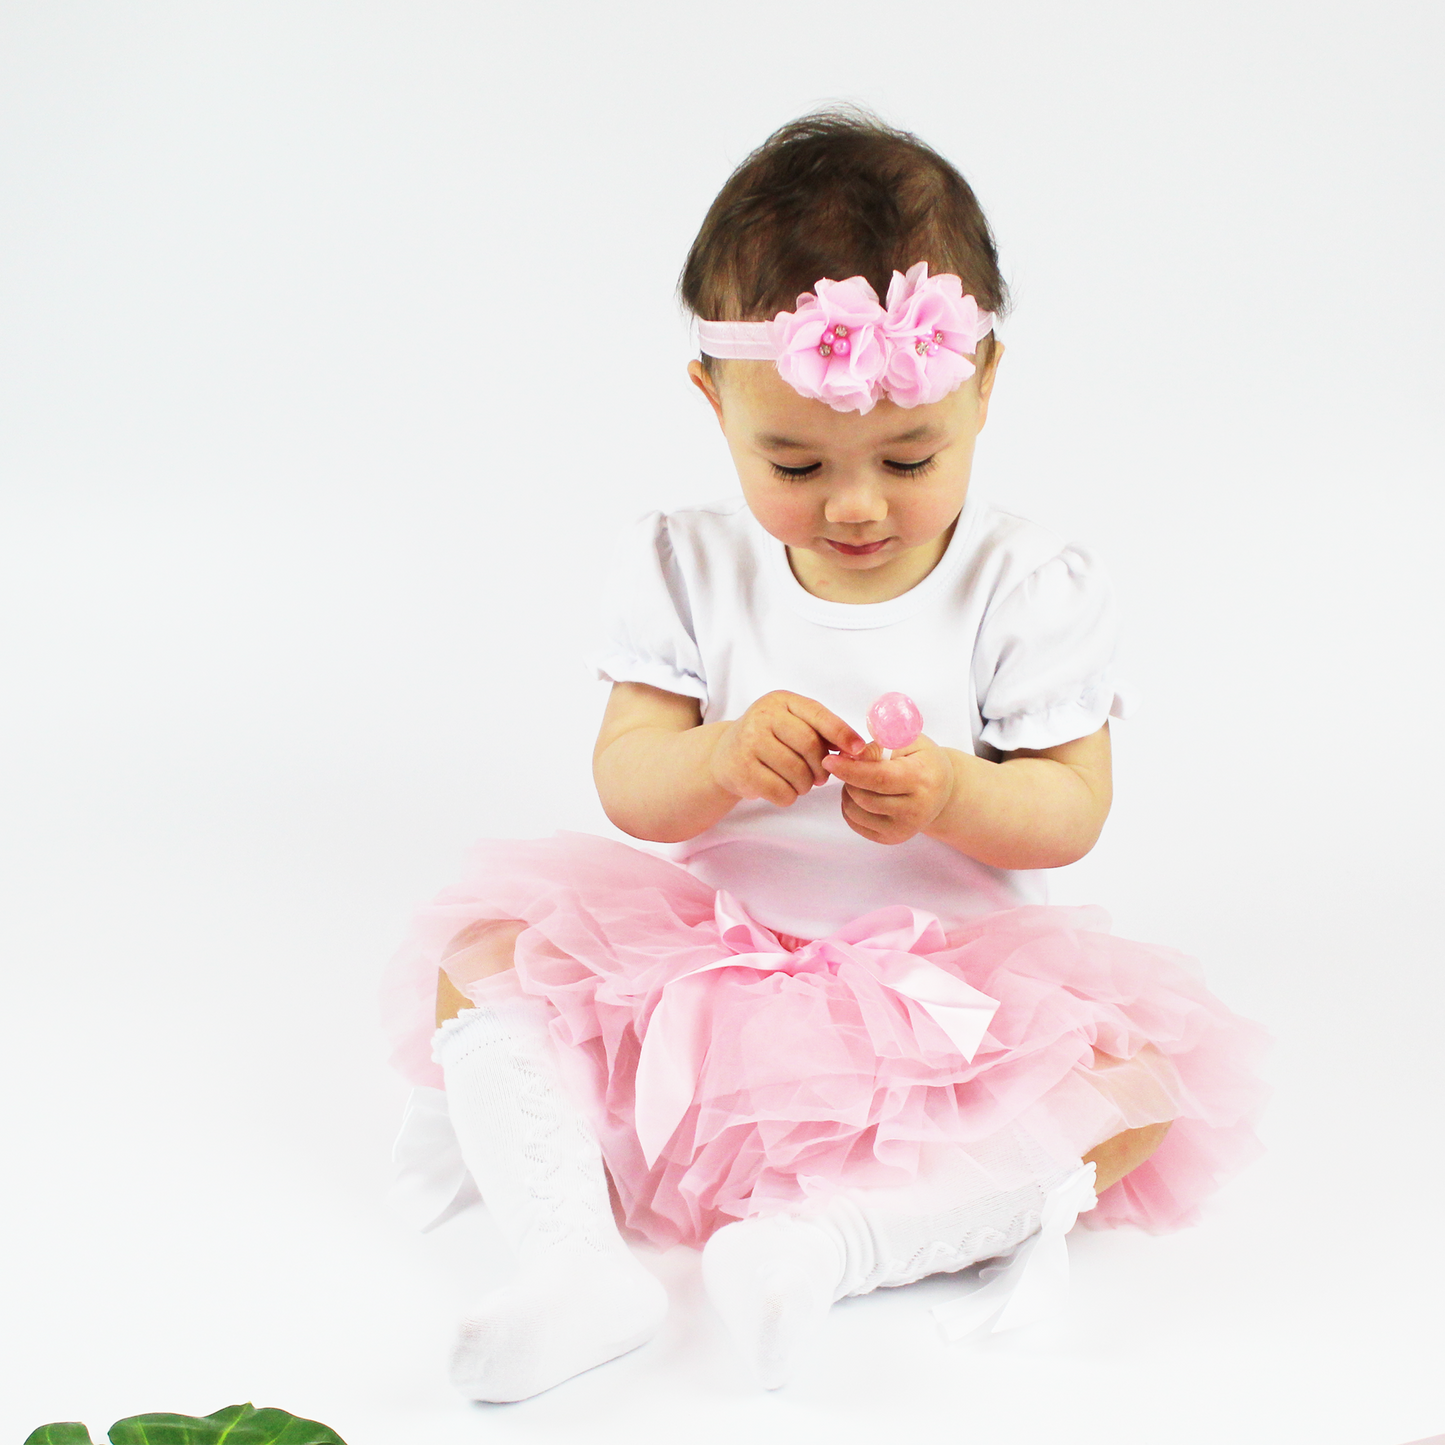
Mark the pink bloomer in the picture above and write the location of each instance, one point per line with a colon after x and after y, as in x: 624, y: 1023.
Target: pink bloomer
x: 776, y: 1069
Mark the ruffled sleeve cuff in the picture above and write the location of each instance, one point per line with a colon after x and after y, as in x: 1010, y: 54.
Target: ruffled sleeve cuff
x: 624, y: 667
x: 1045, y: 662
x: 1052, y: 725
x: 646, y: 632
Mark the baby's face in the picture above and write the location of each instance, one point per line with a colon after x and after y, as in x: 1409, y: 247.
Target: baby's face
x: 865, y: 504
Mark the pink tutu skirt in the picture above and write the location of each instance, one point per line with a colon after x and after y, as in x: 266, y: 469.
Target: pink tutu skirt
x: 804, y: 1069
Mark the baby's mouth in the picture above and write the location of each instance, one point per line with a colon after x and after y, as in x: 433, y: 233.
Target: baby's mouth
x: 849, y: 550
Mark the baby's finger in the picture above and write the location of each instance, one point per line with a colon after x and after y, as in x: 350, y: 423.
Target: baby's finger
x: 796, y: 771
x: 864, y: 824
x: 829, y: 724
x: 763, y: 784
x: 874, y: 803
x: 805, y: 741
x: 877, y: 777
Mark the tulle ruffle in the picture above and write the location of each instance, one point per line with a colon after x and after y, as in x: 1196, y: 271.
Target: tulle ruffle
x: 806, y: 1083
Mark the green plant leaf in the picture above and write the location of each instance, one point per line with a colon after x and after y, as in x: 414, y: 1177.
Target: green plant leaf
x: 65, y: 1433
x: 235, y: 1425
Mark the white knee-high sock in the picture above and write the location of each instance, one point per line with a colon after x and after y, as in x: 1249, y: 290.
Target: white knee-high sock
x: 579, y: 1297
x: 964, y: 1206
x: 773, y: 1279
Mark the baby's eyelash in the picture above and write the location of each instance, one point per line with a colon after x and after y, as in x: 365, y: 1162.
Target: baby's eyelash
x: 912, y: 469
x: 901, y: 469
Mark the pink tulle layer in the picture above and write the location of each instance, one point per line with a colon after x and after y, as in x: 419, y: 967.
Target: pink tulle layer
x: 806, y: 1082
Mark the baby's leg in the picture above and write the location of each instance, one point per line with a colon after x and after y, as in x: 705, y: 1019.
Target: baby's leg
x: 1115, y: 1157
x: 1142, y: 1086
x: 483, y: 950
x: 774, y: 1278
x: 579, y: 1297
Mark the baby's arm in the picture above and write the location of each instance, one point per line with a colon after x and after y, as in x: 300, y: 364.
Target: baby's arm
x: 664, y: 775
x: 1033, y: 809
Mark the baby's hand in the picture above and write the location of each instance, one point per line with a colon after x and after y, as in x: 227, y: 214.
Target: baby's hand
x: 890, y: 802
x: 775, y: 750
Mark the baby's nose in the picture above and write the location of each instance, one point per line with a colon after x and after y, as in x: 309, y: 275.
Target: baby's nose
x: 856, y: 504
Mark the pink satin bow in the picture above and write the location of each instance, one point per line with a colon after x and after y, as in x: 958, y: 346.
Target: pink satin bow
x: 890, y: 943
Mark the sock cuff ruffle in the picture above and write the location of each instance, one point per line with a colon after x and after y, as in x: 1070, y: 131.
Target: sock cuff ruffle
x: 517, y: 1020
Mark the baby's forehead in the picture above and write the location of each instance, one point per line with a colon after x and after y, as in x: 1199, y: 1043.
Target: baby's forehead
x: 777, y: 417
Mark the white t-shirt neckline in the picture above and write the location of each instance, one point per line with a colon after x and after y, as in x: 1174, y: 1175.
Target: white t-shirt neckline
x: 871, y: 614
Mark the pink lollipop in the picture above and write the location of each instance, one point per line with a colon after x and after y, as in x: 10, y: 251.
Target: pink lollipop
x: 894, y: 721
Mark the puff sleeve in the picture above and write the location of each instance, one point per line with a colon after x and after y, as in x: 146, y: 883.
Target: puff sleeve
x: 647, y: 630
x: 1044, y: 665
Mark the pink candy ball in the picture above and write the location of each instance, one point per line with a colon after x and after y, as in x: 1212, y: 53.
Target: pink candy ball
x: 894, y: 720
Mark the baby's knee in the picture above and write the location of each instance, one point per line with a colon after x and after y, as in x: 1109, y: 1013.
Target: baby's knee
x: 479, y: 951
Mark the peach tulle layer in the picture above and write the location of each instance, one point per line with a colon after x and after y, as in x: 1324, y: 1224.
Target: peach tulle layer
x: 808, y: 1083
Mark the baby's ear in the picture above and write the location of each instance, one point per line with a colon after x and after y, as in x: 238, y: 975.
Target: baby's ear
x: 703, y: 380
x: 987, y: 373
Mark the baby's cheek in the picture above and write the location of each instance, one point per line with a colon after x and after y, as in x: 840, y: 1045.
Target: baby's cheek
x: 785, y: 516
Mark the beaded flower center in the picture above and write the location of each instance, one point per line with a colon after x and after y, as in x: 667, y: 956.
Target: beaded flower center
x: 835, y: 342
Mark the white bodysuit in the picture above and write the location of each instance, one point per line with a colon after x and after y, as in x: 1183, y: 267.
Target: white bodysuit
x: 1008, y: 643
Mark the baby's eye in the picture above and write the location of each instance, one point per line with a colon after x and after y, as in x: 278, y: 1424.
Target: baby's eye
x: 911, y: 469
x: 795, y: 474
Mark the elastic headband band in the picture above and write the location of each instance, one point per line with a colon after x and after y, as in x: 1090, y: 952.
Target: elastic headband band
x: 840, y: 346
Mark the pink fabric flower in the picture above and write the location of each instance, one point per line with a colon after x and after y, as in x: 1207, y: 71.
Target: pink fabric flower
x: 931, y: 332
x: 842, y: 347
x: 829, y: 349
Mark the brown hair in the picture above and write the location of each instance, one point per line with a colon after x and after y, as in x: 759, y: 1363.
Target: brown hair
x: 836, y: 194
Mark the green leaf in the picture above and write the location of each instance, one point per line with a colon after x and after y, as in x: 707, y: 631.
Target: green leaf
x: 235, y: 1425
x: 66, y: 1433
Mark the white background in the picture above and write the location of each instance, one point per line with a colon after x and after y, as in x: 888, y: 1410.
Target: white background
x: 338, y: 342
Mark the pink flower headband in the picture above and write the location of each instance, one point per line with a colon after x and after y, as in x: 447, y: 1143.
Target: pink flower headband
x: 842, y: 347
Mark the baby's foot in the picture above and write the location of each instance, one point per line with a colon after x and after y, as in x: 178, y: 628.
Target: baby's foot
x: 555, y: 1320
x: 773, y: 1281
